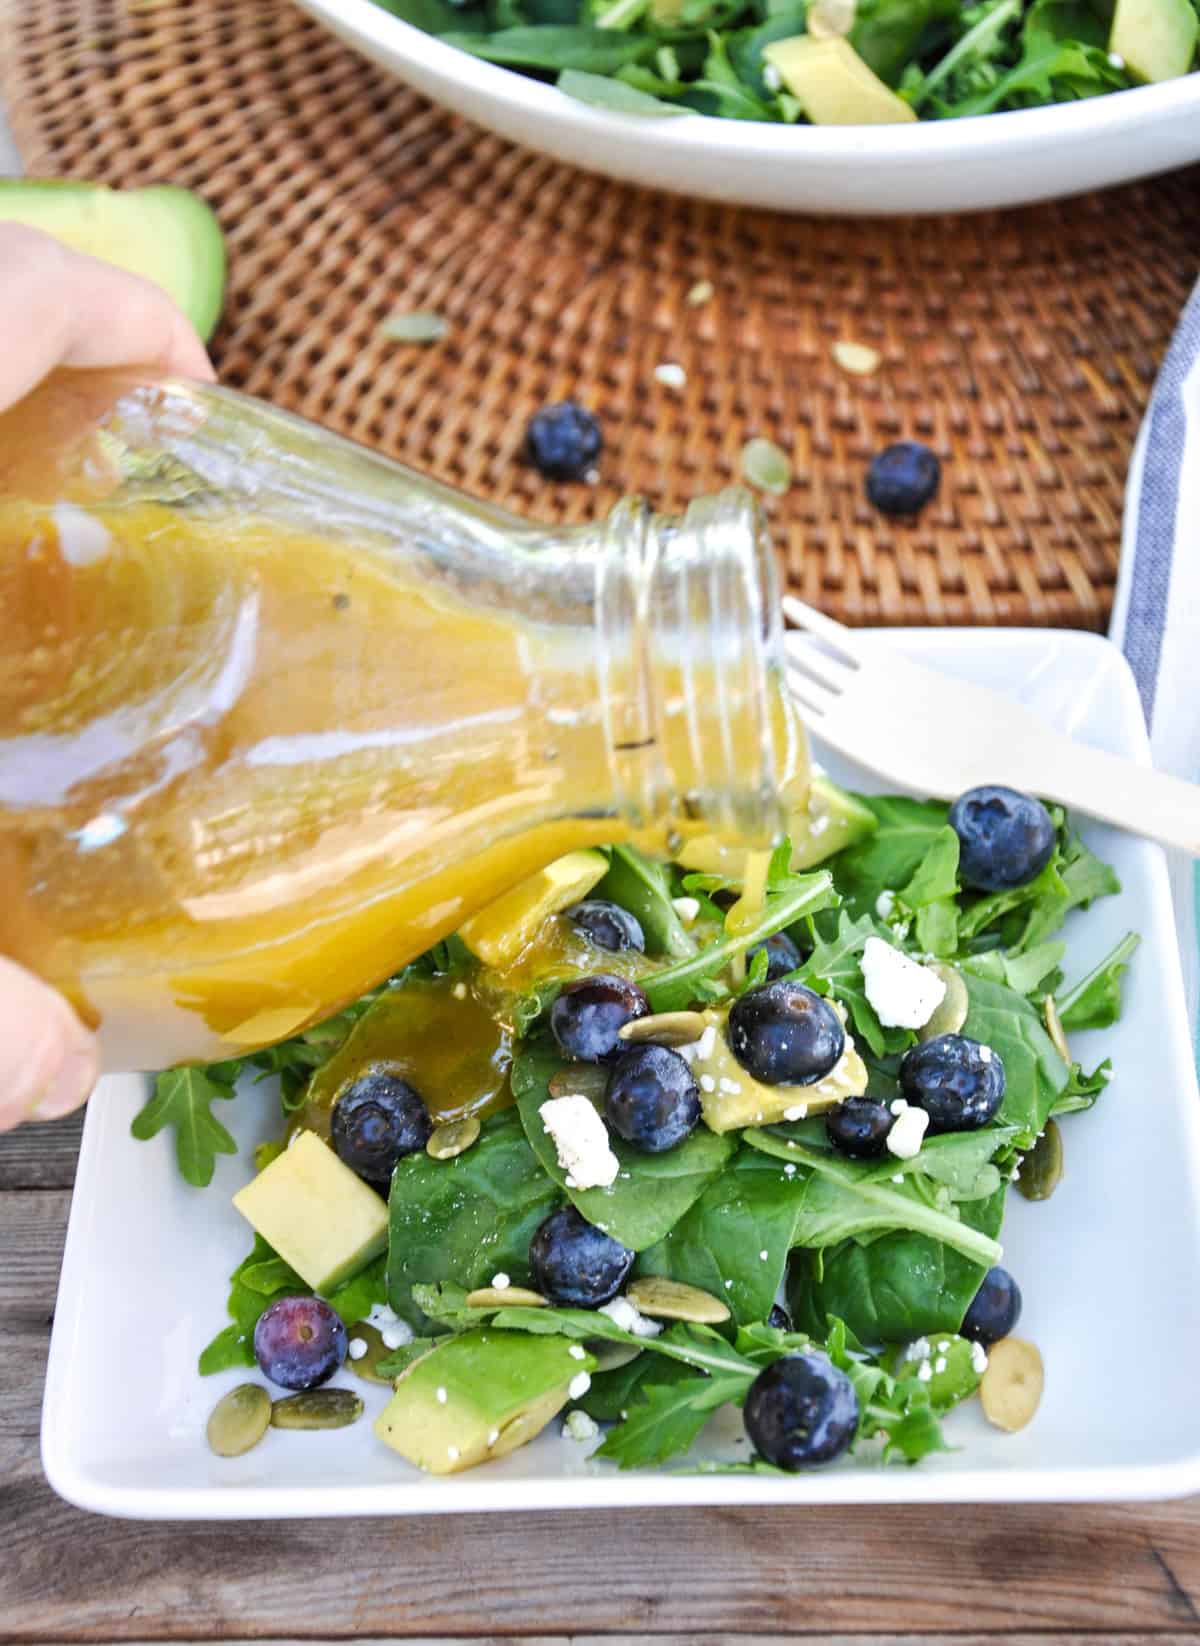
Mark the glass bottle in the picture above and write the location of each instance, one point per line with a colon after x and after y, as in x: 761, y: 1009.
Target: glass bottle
x: 277, y: 713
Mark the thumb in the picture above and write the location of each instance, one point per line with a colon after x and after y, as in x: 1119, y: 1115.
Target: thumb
x: 48, y: 1060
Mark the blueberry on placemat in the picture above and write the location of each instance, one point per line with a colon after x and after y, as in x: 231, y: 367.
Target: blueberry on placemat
x: 902, y: 478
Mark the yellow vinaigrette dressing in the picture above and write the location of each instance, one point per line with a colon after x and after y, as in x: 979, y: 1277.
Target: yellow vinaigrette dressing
x: 276, y: 715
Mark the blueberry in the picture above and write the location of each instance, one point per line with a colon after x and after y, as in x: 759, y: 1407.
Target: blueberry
x: 782, y: 955
x: 575, y: 1264
x: 995, y: 1310
x: 859, y: 1127
x: 563, y: 441
x: 785, y: 1035
x: 958, y: 1082
x: 299, y: 1342
x: 652, y: 1100
x: 779, y: 1318
x: 902, y: 478
x: 586, y: 1017
x: 608, y: 925
x: 376, y: 1121
x: 1005, y: 838
x: 801, y: 1409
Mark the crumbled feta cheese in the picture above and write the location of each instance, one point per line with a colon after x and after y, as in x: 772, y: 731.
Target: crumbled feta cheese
x: 986, y: 1054
x: 623, y: 1314
x: 500, y: 1281
x: 789, y: 1170
x: 885, y: 905
x: 459, y: 991
x: 939, y: 1364
x: 905, y: 995
x: 687, y: 908
x: 924, y: 1371
x: 979, y: 1359
x: 581, y: 1139
x: 442, y: 1396
x: 394, y: 1331
x: 356, y: 1348
x: 707, y: 1083
x: 706, y: 1042
x: 943, y: 1345
x: 577, y: 1351
x: 772, y: 79
x: 898, y: 1105
x: 1115, y: 59
x: 918, y: 1350
x: 798, y: 1111
x: 763, y: 1255
x: 579, y: 1385
x: 906, y: 1133
x: 731, y: 1088
x: 729, y: 1285
x: 579, y: 1426
x: 898, y: 1177
x: 452, y: 1453
x: 671, y: 375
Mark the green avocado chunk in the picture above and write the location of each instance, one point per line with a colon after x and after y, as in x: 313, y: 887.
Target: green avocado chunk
x: 498, y: 933
x: 830, y: 819
x: 1157, y: 38
x: 833, y: 85
x: 479, y: 1396
x: 165, y: 234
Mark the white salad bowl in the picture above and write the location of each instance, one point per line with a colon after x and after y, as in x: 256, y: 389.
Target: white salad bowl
x: 1109, y: 1267
x: 949, y: 165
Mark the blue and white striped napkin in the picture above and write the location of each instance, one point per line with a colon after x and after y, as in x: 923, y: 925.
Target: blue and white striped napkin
x: 1156, y: 618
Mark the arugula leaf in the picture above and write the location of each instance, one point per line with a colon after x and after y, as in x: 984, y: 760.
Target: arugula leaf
x: 667, y: 1417
x: 613, y: 1392
x: 1082, y: 1090
x: 890, y: 857
x: 1095, y: 1001
x: 677, y: 987
x: 557, y: 46
x: 1035, y: 1075
x: 642, y: 886
x: 651, y: 1192
x: 461, y: 1220
x: 983, y: 43
x: 355, y: 1298
x: 183, y: 1099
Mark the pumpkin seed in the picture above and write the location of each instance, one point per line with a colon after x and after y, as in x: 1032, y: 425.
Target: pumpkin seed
x: 1055, y: 1029
x: 610, y: 1357
x: 239, y: 1420
x: 415, y: 326
x: 951, y: 1013
x: 452, y: 1137
x: 667, y: 1028
x: 857, y: 358
x: 580, y: 1080
x: 508, y: 1297
x: 664, y: 1299
x: 317, y: 1409
x: 766, y: 466
x: 700, y: 294
x: 363, y: 1365
x: 1042, y: 1168
x: 1011, y: 1390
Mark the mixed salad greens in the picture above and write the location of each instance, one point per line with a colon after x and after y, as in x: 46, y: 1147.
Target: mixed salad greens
x: 654, y: 1140
x: 823, y: 61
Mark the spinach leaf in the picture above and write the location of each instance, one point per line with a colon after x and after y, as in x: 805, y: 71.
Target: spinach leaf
x: 734, y: 1241
x: 746, y: 46
x: 890, y: 857
x: 355, y: 1298
x: 183, y: 1099
x: 936, y: 875
x: 607, y: 92
x: 1095, y: 1001
x: 1035, y: 1075
x: 651, y: 1192
x: 461, y: 1220
x: 898, y: 1287
x: 257, y: 1282
x: 641, y: 885
x: 557, y: 46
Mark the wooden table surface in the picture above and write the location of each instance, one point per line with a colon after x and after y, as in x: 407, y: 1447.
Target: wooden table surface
x: 1125, y: 1572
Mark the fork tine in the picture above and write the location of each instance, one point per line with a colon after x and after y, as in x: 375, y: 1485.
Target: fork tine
x: 834, y: 634
x: 830, y: 671
x: 805, y: 694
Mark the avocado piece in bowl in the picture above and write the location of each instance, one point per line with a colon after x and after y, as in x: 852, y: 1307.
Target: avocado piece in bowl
x: 499, y: 932
x: 833, y: 85
x: 1157, y: 38
x: 166, y: 234
x: 830, y: 819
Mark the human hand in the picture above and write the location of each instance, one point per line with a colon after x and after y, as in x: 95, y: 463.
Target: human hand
x: 59, y: 308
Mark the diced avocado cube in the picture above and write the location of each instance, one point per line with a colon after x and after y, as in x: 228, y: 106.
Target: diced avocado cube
x: 830, y: 819
x: 731, y: 1098
x: 832, y: 83
x: 498, y: 933
x: 165, y: 234
x: 479, y: 1396
x: 317, y: 1214
x: 1157, y: 38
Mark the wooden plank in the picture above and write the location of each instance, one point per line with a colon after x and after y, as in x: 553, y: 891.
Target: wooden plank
x: 723, y: 1638
x: 40, y: 1157
x: 33, y: 1225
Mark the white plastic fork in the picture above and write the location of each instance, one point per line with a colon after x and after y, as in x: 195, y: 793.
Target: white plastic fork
x: 939, y: 736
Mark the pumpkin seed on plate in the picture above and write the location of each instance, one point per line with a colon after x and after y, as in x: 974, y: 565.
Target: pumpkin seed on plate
x: 951, y: 1012
x: 1011, y: 1390
x: 239, y: 1420
x: 766, y: 466
x: 580, y: 1080
x: 1042, y: 1168
x: 452, y: 1137
x: 858, y: 358
x: 363, y: 1364
x: 667, y: 1028
x: 506, y: 1297
x: 414, y: 326
x: 1055, y: 1029
x: 317, y: 1409
x: 658, y: 1297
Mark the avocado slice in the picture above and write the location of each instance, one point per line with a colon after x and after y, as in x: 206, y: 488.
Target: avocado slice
x: 731, y: 1098
x: 317, y: 1214
x: 830, y: 819
x: 498, y: 933
x: 165, y: 234
x: 833, y: 84
x: 479, y: 1396
x: 1157, y: 38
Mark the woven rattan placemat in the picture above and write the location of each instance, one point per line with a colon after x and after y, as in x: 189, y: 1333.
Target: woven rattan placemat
x: 1022, y: 346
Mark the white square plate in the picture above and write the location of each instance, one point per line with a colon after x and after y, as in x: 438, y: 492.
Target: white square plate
x: 1110, y: 1267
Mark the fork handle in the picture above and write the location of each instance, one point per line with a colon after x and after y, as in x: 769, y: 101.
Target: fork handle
x: 1136, y: 798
